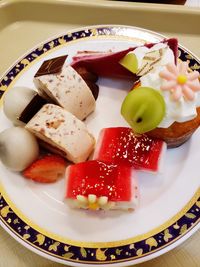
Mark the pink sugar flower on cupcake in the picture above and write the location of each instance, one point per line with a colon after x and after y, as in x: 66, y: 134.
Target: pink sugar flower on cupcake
x: 180, y: 81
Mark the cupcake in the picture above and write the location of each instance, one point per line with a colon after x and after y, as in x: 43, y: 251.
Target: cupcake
x: 179, y: 113
x: 180, y: 89
x: 168, y: 106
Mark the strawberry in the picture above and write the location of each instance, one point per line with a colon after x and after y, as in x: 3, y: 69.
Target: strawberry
x: 46, y: 170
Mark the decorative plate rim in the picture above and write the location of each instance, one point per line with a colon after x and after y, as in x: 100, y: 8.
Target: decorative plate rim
x: 94, y: 252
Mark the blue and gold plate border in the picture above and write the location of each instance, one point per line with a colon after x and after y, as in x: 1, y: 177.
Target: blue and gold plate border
x: 99, y: 253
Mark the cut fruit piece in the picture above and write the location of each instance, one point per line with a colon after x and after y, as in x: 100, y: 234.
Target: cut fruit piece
x: 130, y: 62
x: 121, y: 146
x: 143, y: 109
x: 46, y: 170
x: 98, y: 185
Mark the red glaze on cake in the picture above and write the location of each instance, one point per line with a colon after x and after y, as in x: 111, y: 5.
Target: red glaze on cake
x: 121, y: 146
x: 107, y: 63
x: 101, y: 185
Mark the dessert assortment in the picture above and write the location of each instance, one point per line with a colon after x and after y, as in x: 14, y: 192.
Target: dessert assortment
x: 50, y: 139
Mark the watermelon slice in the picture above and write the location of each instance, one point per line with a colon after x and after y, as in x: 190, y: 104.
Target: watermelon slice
x: 98, y: 185
x: 121, y: 146
x: 106, y: 64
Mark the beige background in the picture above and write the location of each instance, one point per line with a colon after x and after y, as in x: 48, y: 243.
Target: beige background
x: 186, y: 255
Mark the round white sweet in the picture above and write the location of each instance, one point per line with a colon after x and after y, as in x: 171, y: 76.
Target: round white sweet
x: 15, y: 101
x: 18, y: 148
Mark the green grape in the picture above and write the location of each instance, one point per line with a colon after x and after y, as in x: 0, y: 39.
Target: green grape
x: 143, y: 108
x: 130, y: 62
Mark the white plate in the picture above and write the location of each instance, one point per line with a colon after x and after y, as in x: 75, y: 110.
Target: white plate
x: 169, y: 210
